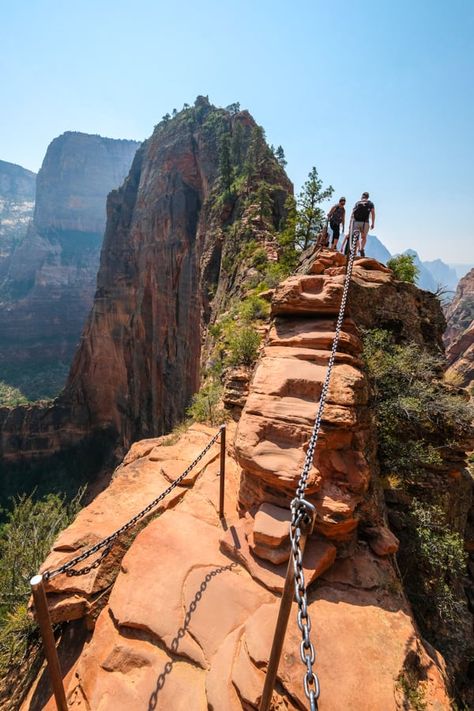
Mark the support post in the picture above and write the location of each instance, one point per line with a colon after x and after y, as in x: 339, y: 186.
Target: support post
x: 287, y: 598
x: 49, y: 643
x: 222, y: 474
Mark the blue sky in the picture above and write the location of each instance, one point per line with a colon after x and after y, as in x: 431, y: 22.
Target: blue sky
x: 378, y: 95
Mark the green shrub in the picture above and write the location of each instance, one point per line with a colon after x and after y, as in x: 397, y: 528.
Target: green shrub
x: 253, y: 307
x: 204, y: 407
x: 259, y: 258
x: 243, y: 346
x: 404, y: 268
x: 25, y: 540
x: 275, y: 273
x: 11, y: 396
x: 440, y: 551
x: 416, y: 414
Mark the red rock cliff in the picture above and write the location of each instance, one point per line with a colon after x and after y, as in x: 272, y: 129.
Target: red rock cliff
x: 168, y: 228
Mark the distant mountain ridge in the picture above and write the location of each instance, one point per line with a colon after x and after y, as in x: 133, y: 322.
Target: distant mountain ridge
x: 433, y: 274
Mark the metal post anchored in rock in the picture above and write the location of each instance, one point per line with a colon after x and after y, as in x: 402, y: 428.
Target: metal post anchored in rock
x: 49, y: 644
x: 287, y: 598
x: 222, y: 474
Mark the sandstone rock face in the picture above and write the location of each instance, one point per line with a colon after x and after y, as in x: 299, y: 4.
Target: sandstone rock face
x: 17, y: 200
x: 181, y: 622
x: 459, y: 335
x: 138, y: 364
x: 168, y: 229
x: 194, y: 600
x: 48, y: 288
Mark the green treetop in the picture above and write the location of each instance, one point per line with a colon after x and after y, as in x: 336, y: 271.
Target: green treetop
x: 404, y: 268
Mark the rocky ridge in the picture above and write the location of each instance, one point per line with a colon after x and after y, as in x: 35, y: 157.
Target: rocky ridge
x: 184, y: 618
x: 48, y: 288
x: 459, y: 335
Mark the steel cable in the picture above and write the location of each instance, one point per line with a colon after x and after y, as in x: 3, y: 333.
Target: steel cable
x: 302, y: 511
x: 107, y: 541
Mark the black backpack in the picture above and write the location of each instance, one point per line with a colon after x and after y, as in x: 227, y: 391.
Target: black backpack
x: 362, y: 210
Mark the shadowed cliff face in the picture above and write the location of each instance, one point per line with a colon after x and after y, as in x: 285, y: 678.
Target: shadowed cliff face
x: 48, y: 287
x: 138, y: 362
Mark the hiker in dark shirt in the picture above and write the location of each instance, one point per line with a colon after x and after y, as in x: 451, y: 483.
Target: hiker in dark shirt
x: 336, y: 218
x: 361, y: 212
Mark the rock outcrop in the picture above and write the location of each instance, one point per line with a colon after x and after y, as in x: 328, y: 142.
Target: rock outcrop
x: 193, y: 602
x: 459, y: 335
x: 17, y: 200
x: 165, y: 270
x: 47, y: 291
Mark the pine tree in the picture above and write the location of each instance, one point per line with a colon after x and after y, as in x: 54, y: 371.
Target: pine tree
x: 264, y: 200
x: 237, y: 146
x: 310, y: 216
x: 256, y: 152
x: 233, y: 108
x: 280, y: 156
x: 225, y: 163
x: 286, y: 238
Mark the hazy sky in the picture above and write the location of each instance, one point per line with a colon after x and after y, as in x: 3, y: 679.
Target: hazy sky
x: 378, y: 94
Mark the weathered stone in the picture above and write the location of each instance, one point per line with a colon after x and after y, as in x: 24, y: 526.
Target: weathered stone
x: 319, y: 556
x: 382, y: 540
x: 271, y: 525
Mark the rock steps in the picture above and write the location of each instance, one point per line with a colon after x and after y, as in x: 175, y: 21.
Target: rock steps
x: 190, y: 618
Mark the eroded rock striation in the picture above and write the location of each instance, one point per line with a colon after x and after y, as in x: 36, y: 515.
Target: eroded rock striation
x: 167, y: 265
x: 459, y: 335
x: 48, y: 288
x: 193, y: 602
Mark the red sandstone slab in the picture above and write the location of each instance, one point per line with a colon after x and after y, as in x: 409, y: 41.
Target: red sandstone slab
x: 319, y: 556
x: 271, y: 525
x: 308, y: 294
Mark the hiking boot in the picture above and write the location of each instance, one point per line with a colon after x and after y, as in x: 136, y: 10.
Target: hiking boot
x: 362, y: 253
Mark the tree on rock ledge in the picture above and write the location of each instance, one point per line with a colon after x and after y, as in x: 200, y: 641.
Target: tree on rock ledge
x: 305, y: 218
x: 310, y: 216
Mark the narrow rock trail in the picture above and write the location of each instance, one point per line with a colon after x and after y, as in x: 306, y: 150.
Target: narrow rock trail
x: 190, y: 617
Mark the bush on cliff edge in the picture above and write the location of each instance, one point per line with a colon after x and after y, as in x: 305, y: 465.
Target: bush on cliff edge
x: 422, y: 426
x: 25, y: 540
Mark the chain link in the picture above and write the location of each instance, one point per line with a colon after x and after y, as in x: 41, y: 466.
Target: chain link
x: 302, y: 512
x: 105, y: 543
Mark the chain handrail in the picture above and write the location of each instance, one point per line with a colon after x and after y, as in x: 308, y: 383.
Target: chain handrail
x: 107, y: 541
x: 302, y: 511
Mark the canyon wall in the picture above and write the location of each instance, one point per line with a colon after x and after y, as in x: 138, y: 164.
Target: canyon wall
x: 17, y: 199
x: 459, y: 335
x: 165, y: 271
x: 48, y: 288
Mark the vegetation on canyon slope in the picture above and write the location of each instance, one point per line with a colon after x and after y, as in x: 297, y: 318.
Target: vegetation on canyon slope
x: 423, y: 424
x: 25, y: 540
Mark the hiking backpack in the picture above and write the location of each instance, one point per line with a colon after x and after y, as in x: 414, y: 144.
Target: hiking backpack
x: 362, y: 210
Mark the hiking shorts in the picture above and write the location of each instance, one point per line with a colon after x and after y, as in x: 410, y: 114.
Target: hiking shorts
x: 336, y: 230
x: 363, y: 228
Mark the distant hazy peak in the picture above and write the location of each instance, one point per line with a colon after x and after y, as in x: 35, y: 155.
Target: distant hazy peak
x: 16, y: 182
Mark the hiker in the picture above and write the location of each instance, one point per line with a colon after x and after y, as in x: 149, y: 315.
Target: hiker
x: 336, y: 218
x: 362, y: 210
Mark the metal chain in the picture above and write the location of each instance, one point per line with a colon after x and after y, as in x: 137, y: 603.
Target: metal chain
x: 302, y: 511
x: 106, y: 542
